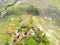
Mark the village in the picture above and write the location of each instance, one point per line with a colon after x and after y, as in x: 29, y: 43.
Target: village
x: 20, y: 35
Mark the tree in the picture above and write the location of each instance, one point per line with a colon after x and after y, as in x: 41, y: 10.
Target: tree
x: 33, y: 10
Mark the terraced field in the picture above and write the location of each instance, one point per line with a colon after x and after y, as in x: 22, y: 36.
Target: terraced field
x: 36, y: 24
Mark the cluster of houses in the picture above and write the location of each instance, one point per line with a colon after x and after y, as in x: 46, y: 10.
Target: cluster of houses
x: 20, y: 35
